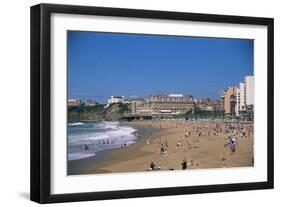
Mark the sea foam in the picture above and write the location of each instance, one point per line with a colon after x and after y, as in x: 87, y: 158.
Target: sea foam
x: 76, y: 124
x: 86, y: 139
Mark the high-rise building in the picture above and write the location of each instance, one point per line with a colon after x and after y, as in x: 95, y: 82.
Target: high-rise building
x: 245, y: 95
x: 249, y: 81
x: 240, y: 98
x: 229, y: 100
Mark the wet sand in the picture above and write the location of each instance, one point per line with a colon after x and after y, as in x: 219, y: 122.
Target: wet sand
x: 203, y: 148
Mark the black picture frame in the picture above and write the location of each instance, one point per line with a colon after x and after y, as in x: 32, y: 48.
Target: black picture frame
x: 41, y: 98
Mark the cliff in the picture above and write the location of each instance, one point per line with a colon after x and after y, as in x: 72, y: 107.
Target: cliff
x: 98, y: 112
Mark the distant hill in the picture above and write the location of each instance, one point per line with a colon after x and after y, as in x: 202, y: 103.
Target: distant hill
x: 98, y: 112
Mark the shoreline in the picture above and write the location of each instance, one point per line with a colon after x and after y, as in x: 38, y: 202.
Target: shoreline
x: 76, y: 167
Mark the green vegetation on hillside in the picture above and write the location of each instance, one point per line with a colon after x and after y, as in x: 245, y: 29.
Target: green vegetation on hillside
x: 98, y: 112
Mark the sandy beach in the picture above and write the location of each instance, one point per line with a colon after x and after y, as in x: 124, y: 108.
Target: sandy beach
x: 202, y: 144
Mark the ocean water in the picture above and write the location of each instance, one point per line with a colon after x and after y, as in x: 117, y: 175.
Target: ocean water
x: 87, y: 138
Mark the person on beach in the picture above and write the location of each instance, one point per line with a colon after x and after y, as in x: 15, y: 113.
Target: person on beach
x: 86, y: 147
x: 231, y: 143
x: 147, y: 141
x: 152, y: 166
x: 184, y: 164
x: 162, y: 149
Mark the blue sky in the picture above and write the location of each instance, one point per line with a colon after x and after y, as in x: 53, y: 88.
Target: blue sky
x: 105, y: 64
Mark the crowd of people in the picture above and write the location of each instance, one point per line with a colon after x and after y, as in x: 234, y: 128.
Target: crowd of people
x: 232, y: 131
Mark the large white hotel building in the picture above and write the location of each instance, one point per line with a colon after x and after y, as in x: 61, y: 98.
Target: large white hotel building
x: 163, y: 104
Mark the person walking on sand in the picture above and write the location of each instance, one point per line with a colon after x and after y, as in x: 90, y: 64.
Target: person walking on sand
x: 233, y: 144
x: 162, y: 149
